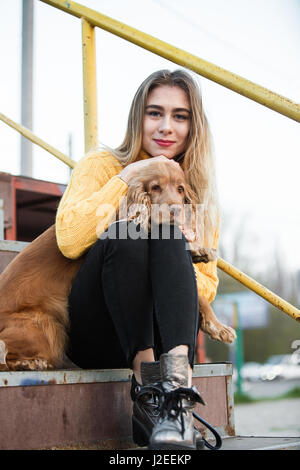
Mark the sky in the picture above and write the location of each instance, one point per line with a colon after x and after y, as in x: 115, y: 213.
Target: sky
x: 257, y: 149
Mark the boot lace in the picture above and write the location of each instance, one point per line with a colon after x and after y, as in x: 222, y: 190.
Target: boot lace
x: 170, y: 404
x: 173, y: 406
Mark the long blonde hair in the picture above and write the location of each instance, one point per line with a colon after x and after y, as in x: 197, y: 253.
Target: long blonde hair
x: 198, y: 161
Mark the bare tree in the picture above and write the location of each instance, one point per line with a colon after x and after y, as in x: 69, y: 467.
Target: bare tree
x: 244, y: 246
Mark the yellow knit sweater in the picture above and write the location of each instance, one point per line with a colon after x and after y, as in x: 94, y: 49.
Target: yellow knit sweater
x: 89, y: 204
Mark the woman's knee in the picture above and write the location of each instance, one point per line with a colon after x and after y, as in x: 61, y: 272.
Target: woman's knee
x: 169, y: 238
x: 125, y: 239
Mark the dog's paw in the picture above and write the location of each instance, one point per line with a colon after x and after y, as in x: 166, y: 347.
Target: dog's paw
x: 3, y: 353
x: 218, y: 331
x: 202, y: 255
x: 29, y: 364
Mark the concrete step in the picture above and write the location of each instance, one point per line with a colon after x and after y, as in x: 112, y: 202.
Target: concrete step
x: 254, y: 443
x: 261, y: 443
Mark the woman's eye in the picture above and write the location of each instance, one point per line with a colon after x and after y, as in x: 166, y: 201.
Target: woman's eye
x: 181, y: 117
x: 156, y: 187
x: 154, y: 113
x: 180, y: 189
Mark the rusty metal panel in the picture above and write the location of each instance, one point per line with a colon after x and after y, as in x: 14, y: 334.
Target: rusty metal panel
x: 73, y: 376
x: 8, y: 251
x: 39, y: 186
x: 63, y: 377
x: 6, y: 195
x: 215, y: 412
x: 61, y: 415
x: 29, y: 205
x: 230, y: 431
x: 1, y: 218
x: 92, y: 408
x: 214, y: 369
x: 12, y: 246
x: 5, y: 258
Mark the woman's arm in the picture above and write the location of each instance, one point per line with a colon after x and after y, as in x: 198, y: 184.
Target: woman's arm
x: 207, y: 278
x: 89, y: 203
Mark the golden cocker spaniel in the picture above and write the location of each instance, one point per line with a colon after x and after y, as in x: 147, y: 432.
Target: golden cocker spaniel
x: 34, y: 287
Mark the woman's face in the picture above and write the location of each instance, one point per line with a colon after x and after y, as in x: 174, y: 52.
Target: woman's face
x: 166, y: 122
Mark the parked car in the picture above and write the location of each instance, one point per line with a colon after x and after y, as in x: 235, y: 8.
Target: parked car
x: 291, y: 367
x: 281, y: 366
x: 251, y: 371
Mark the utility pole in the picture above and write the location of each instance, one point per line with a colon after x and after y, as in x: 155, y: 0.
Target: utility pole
x: 70, y: 152
x: 26, y: 85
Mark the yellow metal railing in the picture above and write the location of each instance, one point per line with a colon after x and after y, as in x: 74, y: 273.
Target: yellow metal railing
x: 31, y: 136
x: 247, y: 281
x: 178, y: 56
x: 90, y: 19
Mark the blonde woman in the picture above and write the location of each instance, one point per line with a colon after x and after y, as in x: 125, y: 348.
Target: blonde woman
x: 134, y: 303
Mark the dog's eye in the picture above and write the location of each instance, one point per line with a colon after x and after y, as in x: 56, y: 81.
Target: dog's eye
x: 155, y: 187
x: 180, y: 189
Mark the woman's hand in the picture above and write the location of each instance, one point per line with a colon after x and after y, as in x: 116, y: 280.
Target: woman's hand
x: 132, y: 168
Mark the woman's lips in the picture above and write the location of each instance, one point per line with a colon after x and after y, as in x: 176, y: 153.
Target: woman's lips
x: 164, y: 143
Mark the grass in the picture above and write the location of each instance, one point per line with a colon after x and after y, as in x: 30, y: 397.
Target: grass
x: 244, y: 398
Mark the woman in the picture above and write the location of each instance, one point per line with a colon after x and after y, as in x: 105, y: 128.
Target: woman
x: 134, y: 303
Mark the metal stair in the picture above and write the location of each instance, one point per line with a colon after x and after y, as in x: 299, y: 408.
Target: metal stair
x: 91, y: 409
x: 86, y: 409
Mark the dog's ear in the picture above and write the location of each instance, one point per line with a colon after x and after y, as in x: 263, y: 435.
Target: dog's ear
x: 194, y: 224
x: 138, y: 204
x: 137, y: 194
x: 189, y: 208
x: 135, y: 189
x: 190, y: 196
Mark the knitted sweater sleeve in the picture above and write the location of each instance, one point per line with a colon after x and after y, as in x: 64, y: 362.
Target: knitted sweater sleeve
x: 89, y: 204
x: 206, y: 275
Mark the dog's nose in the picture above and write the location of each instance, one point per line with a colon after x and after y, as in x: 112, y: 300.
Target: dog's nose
x: 175, y: 209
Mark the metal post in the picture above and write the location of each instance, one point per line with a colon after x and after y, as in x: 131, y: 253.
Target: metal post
x: 298, y: 288
x: 89, y: 85
x: 70, y: 145
x: 26, y: 86
x: 239, y: 351
x: 1, y: 219
x: 200, y: 350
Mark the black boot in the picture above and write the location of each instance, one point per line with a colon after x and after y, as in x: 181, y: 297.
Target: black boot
x: 175, y: 427
x: 146, y: 406
x: 145, y: 402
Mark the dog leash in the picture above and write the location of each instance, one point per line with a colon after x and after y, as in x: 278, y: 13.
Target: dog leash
x: 217, y: 436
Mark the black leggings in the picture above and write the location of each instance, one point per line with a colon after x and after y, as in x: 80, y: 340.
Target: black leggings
x: 130, y: 295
